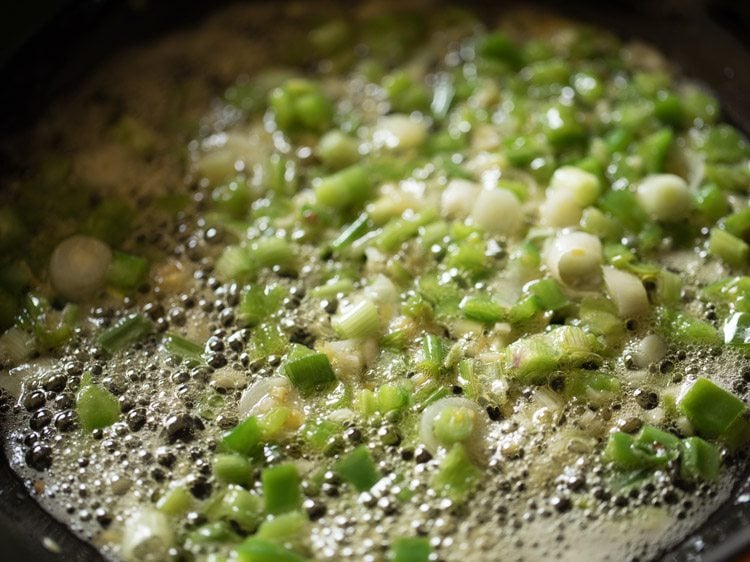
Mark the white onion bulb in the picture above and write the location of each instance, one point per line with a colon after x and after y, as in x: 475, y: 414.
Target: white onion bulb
x: 475, y: 445
x: 650, y: 349
x: 458, y: 199
x: 267, y: 394
x: 574, y: 259
x: 626, y: 291
x: 78, y: 267
x: 498, y: 211
x: 147, y: 536
x: 580, y: 185
x: 666, y: 197
x: 400, y: 132
x: 570, y: 190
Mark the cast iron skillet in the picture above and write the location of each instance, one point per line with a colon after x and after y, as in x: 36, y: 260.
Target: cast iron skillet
x: 709, y: 40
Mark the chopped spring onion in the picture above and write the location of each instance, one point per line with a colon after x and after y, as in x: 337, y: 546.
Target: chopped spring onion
x: 176, y: 501
x: 244, y: 439
x: 451, y: 420
x: 352, y: 232
x: 147, y: 535
x: 337, y: 150
x: 699, y: 460
x: 125, y: 332
x: 713, y: 411
x: 457, y: 474
x: 243, y: 508
x: 281, y: 488
x: 350, y: 187
x: 258, y: 302
x: 482, y: 309
x: 232, y: 469
x: 627, y: 292
x: 359, y: 320
x: 300, y: 105
x: 574, y: 259
x: 127, y: 272
x: 183, y: 348
x: 309, y: 372
x: 96, y: 406
x: 285, y: 529
x: 358, y: 468
x: 734, y: 251
x: 255, y: 549
x: 410, y: 549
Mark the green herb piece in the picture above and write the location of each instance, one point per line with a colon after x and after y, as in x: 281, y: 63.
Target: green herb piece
x: 239, y: 263
x: 724, y: 144
x: 562, y: 126
x: 654, y: 149
x: 433, y: 355
x: 650, y: 448
x: 548, y: 294
x: 531, y: 359
x: 454, y: 425
x: 110, y: 221
x: 216, y: 532
x: 351, y: 233
x: 712, y: 202
x: 498, y: 46
x: 406, y: 94
x: 623, y: 206
x: 392, y: 398
x: 593, y: 387
x: 683, y: 328
x: 321, y: 434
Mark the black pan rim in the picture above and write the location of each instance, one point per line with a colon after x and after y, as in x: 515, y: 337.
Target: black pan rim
x: 678, y: 28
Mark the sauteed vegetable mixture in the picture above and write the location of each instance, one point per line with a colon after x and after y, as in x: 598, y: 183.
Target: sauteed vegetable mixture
x: 416, y: 285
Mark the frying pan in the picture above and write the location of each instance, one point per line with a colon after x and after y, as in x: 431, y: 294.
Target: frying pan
x: 47, y: 45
